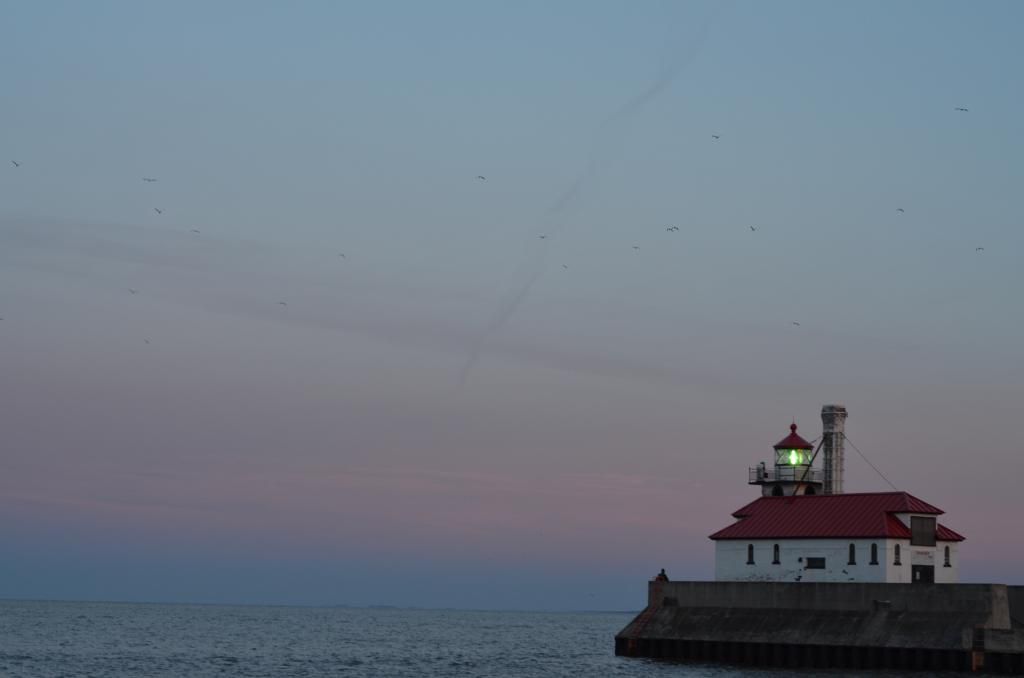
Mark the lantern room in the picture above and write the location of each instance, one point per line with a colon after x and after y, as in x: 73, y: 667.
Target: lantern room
x: 793, y: 450
x: 793, y: 473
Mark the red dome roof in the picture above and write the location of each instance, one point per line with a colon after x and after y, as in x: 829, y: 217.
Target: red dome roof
x: 793, y: 441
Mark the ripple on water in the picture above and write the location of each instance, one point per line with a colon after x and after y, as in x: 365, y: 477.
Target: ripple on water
x: 118, y: 640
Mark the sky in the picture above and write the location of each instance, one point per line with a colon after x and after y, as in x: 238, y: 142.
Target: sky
x: 212, y: 404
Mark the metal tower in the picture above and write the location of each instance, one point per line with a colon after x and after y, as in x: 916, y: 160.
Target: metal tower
x: 833, y: 419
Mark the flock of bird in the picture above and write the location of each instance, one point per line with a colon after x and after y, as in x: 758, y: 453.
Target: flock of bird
x: 636, y: 248
x: 149, y: 180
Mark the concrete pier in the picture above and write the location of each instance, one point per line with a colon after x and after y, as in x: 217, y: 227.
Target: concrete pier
x: 824, y: 625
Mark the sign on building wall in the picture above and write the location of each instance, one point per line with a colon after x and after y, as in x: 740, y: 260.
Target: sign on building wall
x: 921, y: 557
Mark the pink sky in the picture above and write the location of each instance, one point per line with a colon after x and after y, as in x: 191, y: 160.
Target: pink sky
x: 266, y: 420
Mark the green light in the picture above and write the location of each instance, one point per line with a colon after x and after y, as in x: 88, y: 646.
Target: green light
x: 794, y: 457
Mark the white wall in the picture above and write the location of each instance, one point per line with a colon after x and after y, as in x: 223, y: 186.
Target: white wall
x: 951, y: 574
x: 897, y: 574
x: 731, y: 560
x: 924, y: 555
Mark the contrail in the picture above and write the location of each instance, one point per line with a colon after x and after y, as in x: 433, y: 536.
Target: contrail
x: 612, y: 129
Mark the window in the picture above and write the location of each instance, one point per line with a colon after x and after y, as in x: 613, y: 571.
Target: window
x: 853, y: 555
x: 815, y: 564
x: 922, y: 531
x: 896, y: 555
x: 946, y: 559
x: 750, y: 554
x: 791, y: 457
x: 775, y: 554
x: 874, y: 554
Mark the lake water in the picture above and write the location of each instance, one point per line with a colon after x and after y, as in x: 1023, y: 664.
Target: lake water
x: 51, y: 639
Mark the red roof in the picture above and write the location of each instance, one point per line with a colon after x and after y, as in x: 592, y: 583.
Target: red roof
x: 793, y: 441
x: 824, y: 516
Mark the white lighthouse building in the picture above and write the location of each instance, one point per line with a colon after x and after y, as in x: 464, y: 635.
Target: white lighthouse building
x: 804, y: 528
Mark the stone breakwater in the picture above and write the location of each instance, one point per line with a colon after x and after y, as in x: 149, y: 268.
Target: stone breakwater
x: 832, y: 625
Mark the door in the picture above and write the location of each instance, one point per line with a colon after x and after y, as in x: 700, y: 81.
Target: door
x: 922, y: 574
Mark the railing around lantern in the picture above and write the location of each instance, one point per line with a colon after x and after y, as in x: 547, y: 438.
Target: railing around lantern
x: 789, y: 474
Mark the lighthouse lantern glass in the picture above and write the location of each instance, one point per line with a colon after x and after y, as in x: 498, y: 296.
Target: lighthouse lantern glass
x: 794, y: 457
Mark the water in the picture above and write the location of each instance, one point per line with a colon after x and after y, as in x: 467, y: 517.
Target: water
x: 108, y: 640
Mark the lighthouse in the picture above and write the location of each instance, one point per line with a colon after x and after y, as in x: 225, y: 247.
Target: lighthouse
x: 807, y: 574
x: 792, y: 473
x: 803, y: 527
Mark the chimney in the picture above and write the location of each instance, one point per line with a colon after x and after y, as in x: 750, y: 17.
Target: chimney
x: 833, y: 419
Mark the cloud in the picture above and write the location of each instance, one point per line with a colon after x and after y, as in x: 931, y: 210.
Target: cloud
x: 247, y: 279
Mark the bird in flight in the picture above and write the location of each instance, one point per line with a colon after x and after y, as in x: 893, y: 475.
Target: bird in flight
x: 16, y: 163
x: 132, y: 291
x: 962, y: 110
x: 282, y: 303
x: 753, y: 228
x: 196, y: 231
x: 147, y: 341
x: 979, y: 249
x: 148, y: 179
x: 341, y: 254
x: 796, y: 323
x: 158, y: 210
x: 481, y: 177
x: 715, y: 136
x: 542, y: 237
x: 672, y: 228
x: 636, y: 248
x: 900, y: 210
x: 565, y: 266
